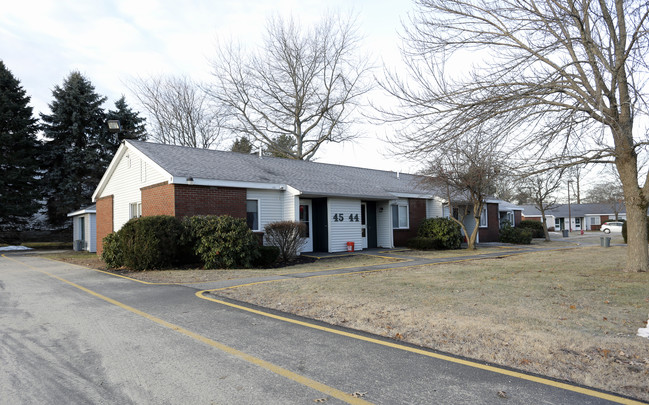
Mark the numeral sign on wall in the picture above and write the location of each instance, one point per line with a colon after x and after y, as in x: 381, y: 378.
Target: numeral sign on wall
x: 340, y: 217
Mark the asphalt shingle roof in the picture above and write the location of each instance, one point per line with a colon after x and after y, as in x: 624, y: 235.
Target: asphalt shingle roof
x: 311, y: 178
x: 576, y: 210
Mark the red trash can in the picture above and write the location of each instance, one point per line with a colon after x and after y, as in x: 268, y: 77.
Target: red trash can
x: 350, y: 246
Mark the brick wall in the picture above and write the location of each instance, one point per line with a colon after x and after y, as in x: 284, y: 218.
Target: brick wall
x: 183, y: 200
x: 417, y: 212
x: 158, y: 199
x: 201, y: 200
x: 104, y: 220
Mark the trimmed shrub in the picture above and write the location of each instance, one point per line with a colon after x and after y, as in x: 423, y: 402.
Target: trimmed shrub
x: 421, y: 243
x: 148, y: 243
x: 624, y: 231
x: 288, y: 236
x: 445, y: 232
x: 519, y: 236
x: 112, y: 251
x: 222, y: 242
x: 535, y: 227
x: 268, y: 256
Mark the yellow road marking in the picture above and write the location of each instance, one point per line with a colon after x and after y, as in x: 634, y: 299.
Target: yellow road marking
x: 325, y: 389
x: 540, y: 380
x: 474, y: 364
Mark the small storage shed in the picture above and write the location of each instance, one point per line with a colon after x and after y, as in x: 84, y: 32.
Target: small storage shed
x: 84, y: 229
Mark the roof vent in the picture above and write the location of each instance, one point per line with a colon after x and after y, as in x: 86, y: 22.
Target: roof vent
x: 398, y: 174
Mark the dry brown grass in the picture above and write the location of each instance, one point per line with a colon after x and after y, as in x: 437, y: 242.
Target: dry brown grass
x: 570, y: 314
x: 199, y: 275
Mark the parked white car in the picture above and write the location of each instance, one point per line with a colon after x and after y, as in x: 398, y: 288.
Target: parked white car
x: 615, y: 227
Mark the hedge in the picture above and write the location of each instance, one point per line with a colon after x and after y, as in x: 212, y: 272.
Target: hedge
x: 222, y: 241
x: 535, y: 227
x: 445, y: 233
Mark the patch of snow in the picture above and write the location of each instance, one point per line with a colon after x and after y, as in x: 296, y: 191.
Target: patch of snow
x: 644, y: 332
x: 11, y: 248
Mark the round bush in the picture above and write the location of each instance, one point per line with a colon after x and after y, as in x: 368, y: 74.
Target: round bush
x: 112, y: 251
x: 223, y: 241
x: 535, y: 227
x: 445, y: 233
x: 519, y: 236
x: 154, y: 242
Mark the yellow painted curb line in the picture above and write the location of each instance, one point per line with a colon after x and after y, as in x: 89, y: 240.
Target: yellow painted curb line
x: 325, y: 389
x: 469, y: 363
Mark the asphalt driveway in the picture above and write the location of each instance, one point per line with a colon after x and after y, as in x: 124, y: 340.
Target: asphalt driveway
x: 74, y: 335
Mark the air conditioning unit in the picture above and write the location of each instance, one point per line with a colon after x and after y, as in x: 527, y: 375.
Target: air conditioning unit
x: 79, y: 245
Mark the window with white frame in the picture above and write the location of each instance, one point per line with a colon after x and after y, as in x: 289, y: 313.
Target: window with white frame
x: 252, y: 214
x: 483, y: 217
x: 595, y: 221
x: 400, y: 217
x: 134, y: 210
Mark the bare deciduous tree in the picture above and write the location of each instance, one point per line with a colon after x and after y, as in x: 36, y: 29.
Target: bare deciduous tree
x: 468, y: 172
x: 562, y: 81
x: 180, y: 112
x: 301, y: 83
x: 542, y: 188
x: 610, y: 193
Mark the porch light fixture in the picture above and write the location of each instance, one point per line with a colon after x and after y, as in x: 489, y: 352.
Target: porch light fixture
x: 114, y: 126
x: 190, y: 181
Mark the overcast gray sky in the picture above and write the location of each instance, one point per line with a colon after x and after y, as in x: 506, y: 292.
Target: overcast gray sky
x: 42, y: 41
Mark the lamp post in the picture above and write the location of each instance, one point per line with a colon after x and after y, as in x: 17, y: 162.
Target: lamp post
x: 569, y: 213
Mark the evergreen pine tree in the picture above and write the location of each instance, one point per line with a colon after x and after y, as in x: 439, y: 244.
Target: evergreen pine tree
x: 242, y: 145
x: 132, y: 125
x: 19, y: 150
x: 78, y: 147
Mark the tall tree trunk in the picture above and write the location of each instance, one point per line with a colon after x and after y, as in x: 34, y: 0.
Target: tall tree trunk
x: 545, y: 226
x: 637, y: 254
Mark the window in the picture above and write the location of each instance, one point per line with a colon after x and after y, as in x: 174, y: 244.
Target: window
x: 135, y: 210
x: 483, y: 217
x: 252, y: 214
x: 304, y: 218
x: 400, y: 217
x: 595, y: 221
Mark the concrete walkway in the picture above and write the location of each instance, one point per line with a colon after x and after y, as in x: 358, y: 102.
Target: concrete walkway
x: 408, y: 260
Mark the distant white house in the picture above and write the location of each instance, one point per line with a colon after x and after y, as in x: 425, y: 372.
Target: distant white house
x: 576, y: 217
x: 84, y: 229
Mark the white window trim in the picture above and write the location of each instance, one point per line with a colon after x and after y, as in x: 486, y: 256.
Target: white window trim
x: 258, y: 229
x: 138, y: 210
x: 484, y: 214
x: 407, y: 215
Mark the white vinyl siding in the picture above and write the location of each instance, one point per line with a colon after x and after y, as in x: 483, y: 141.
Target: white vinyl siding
x: 384, y: 237
x: 290, y: 205
x: 125, y: 185
x: 345, y: 230
x: 270, y: 205
x: 434, y: 209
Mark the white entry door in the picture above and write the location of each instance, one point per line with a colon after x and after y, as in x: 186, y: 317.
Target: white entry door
x: 306, y: 217
x: 364, y: 224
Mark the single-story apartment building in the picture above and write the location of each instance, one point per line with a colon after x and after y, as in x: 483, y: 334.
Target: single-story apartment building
x: 84, y: 229
x: 587, y: 217
x: 338, y: 204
